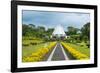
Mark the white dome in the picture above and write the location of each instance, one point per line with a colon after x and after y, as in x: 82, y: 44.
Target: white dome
x: 58, y: 31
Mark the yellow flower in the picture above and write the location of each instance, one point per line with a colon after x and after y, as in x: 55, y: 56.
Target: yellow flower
x: 78, y: 55
x: 39, y: 54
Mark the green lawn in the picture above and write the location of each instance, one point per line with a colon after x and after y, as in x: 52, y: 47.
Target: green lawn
x: 27, y: 50
x: 82, y: 49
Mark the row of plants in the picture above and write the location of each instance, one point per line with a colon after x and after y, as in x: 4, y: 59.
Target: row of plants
x: 76, y: 54
x: 81, y: 47
x: 31, y: 42
x: 39, y: 54
x: 30, y: 38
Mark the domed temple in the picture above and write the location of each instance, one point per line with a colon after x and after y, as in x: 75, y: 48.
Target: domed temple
x: 59, y: 32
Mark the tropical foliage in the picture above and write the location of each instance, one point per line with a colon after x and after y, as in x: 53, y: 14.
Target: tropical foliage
x: 77, y: 35
x: 38, y: 32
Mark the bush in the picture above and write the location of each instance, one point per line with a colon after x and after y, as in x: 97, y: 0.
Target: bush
x: 88, y: 44
x: 39, y: 54
x: 33, y: 43
x: 25, y: 44
x: 76, y: 54
x: 82, y: 44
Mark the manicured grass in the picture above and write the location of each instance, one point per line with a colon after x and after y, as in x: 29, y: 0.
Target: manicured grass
x: 39, y: 52
x: 27, y: 50
x: 28, y: 42
x: 83, y: 49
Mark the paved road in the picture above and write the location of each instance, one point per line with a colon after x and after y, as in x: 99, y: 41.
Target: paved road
x: 58, y: 53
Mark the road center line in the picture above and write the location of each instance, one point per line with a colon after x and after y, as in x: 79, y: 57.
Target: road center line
x: 66, y: 57
x: 50, y: 57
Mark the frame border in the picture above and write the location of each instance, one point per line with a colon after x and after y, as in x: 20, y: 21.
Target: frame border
x: 14, y: 5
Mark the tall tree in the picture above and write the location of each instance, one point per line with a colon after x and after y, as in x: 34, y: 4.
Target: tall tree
x: 32, y: 25
x: 41, y: 28
x: 72, y: 30
x: 50, y: 30
x: 28, y: 30
x: 86, y: 31
x: 24, y: 29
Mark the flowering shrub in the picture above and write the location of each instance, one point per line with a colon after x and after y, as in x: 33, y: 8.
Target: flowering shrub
x: 78, y: 55
x: 39, y: 54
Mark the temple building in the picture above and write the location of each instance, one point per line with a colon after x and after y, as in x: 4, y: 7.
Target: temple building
x: 59, y: 32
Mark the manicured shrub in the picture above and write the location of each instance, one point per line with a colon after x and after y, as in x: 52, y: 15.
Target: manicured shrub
x: 33, y: 43
x: 82, y: 44
x: 39, y: 54
x: 88, y: 44
x: 25, y: 44
x: 78, y: 55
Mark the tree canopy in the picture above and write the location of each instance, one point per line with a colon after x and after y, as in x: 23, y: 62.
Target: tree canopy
x: 72, y: 30
x: 33, y: 31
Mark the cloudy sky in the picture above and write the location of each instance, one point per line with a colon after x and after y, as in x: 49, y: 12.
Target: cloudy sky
x: 52, y: 19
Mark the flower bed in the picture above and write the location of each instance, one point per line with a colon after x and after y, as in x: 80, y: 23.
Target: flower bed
x: 78, y: 55
x: 39, y: 54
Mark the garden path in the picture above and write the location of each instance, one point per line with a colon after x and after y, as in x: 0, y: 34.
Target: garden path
x: 58, y: 54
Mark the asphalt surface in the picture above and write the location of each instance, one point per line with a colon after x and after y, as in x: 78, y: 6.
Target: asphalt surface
x: 58, y: 54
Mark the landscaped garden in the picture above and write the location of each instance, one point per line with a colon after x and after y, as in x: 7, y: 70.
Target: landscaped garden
x: 45, y: 41
x: 34, y: 53
x: 76, y: 51
x: 37, y: 43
